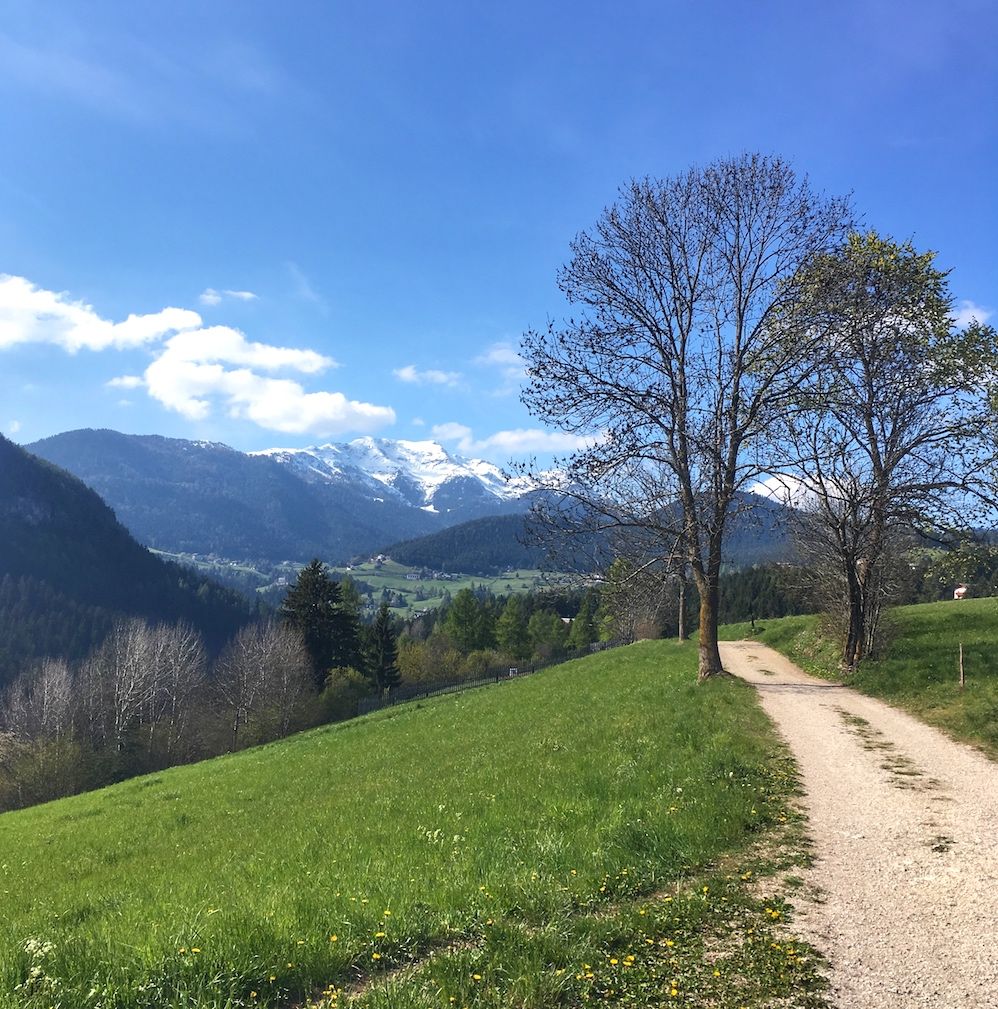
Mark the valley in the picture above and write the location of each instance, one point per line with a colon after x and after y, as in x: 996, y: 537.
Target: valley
x: 408, y: 590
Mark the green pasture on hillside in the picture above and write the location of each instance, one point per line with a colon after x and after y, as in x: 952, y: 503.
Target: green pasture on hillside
x: 586, y: 834
x: 919, y: 668
x: 429, y: 593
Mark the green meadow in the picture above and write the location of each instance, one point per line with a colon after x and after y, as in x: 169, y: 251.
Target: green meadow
x: 919, y: 667
x: 429, y: 593
x: 594, y: 833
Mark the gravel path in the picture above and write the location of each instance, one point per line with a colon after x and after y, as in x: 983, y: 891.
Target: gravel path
x: 905, y: 825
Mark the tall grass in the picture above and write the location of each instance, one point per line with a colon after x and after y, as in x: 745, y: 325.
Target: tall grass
x: 918, y: 670
x: 507, y: 831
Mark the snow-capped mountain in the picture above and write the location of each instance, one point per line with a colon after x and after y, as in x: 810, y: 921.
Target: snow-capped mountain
x: 333, y: 501
x: 422, y: 474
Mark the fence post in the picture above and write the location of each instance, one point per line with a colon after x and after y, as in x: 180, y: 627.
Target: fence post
x: 962, y: 679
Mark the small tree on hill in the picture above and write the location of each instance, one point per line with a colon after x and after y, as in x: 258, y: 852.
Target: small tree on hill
x: 892, y: 436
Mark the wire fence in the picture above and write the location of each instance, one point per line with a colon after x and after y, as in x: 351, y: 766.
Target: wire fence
x: 489, y: 675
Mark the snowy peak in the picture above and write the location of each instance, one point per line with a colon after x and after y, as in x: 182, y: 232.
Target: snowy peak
x: 422, y: 474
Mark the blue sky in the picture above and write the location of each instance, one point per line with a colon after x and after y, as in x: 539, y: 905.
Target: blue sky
x: 280, y: 224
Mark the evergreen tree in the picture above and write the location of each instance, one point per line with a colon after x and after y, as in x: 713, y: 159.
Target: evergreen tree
x: 383, y: 651
x: 548, y: 634
x: 312, y: 606
x: 511, y: 629
x: 584, y: 632
x: 469, y: 622
x: 348, y: 648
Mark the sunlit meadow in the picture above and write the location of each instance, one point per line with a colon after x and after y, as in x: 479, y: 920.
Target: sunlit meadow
x: 918, y: 668
x: 587, y: 834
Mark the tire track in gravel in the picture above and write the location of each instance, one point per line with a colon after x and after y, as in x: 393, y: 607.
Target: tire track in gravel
x: 905, y: 829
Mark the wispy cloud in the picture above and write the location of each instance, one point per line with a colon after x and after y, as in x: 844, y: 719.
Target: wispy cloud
x: 195, y: 369
x: 120, y: 75
x: 431, y: 376
x: 303, y: 288
x: 13, y: 426
x: 209, y: 296
x: 967, y: 312
x: 505, y: 360
x: 514, y: 443
x: 126, y: 382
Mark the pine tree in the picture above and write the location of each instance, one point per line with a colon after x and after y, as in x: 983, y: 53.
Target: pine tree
x: 468, y: 622
x: 312, y: 606
x: 583, y: 632
x: 383, y: 654
x: 511, y: 629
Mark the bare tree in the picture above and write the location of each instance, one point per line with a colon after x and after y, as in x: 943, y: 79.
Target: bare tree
x: 177, y: 670
x: 892, y: 436
x: 37, y: 705
x: 38, y: 758
x: 262, y: 677
x: 674, y: 370
x: 118, y: 684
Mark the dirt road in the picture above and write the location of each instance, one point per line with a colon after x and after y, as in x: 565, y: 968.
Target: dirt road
x: 905, y: 825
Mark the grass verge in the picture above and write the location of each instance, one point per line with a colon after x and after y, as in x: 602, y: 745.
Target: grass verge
x: 919, y: 668
x: 594, y: 833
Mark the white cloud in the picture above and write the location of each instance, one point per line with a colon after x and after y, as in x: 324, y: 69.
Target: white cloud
x: 125, y: 382
x: 30, y: 314
x: 13, y: 427
x: 503, y: 355
x: 196, y: 368
x: 512, y: 368
x: 517, y: 442
x: 410, y: 373
x: 967, y: 312
x: 209, y: 296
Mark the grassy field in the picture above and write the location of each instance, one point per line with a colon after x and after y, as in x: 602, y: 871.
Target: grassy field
x: 591, y: 834
x: 428, y: 594
x: 919, y: 670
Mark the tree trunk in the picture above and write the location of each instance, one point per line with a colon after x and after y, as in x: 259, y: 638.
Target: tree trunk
x: 710, y: 657
x: 852, y: 652
x: 682, y: 609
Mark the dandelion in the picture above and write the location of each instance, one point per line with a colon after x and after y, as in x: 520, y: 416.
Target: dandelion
x: 375, y: 956
x: 195, y: 949
x: 334, y: 938
x: 476, y: 977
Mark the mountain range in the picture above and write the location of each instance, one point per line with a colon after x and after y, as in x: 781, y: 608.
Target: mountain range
x: 333, y: 501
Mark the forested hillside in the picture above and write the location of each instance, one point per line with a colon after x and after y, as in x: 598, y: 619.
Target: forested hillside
x: 68, y: 568
x: 483, y: 546
x: 759, y: 534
